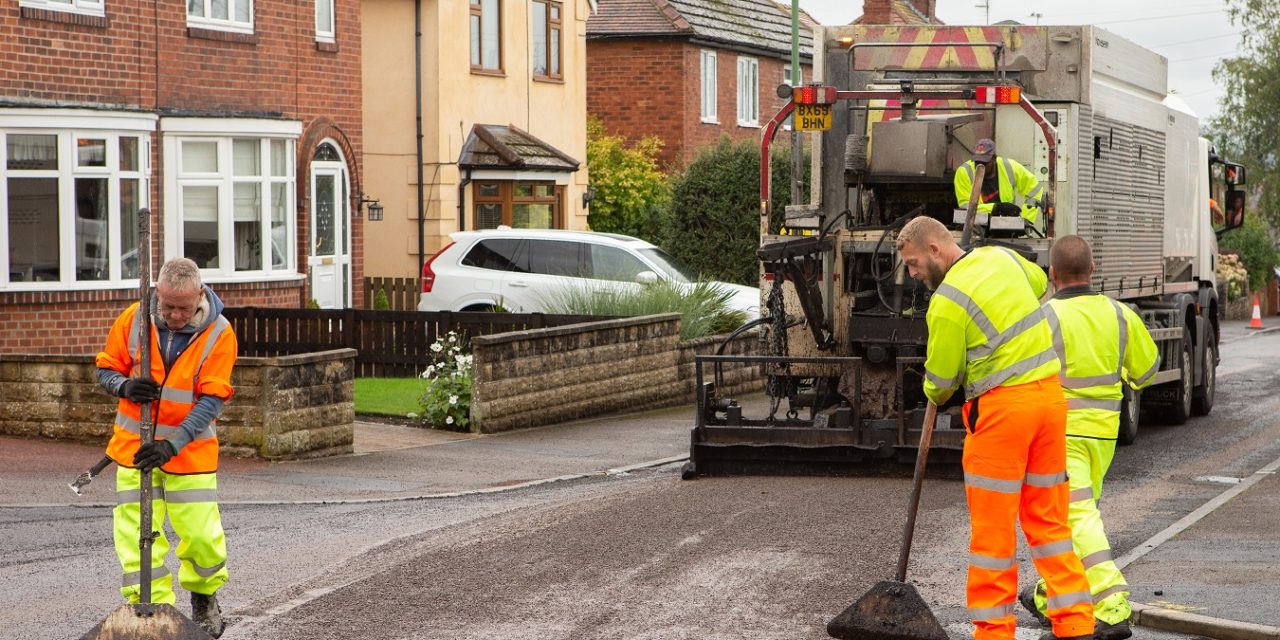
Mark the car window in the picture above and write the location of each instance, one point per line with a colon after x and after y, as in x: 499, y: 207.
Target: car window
x: 555, y: 258
x: 612, y: 263
x: 673, y: 268
x: 498, y: 254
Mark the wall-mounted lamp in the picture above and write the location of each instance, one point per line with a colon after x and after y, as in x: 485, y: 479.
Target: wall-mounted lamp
x: 374, y: 206
x: 588, y: 196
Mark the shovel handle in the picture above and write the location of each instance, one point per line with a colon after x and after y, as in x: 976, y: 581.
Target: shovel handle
x: 917, y: 481
x: 971, y: 212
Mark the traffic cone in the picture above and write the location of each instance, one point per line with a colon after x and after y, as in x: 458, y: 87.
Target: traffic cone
x: 1256, y: 321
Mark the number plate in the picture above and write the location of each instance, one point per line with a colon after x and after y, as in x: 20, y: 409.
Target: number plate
x: 813, y: 117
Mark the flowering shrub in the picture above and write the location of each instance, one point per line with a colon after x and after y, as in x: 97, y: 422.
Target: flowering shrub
x: 1232, y: 272
x: 446, y: 399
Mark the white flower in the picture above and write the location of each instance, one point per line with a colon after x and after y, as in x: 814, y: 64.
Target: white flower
x: 448, y: 420
x: 461, y: 360
x: 453, y: 399
x: 436, y: 347
x: 431, y: 371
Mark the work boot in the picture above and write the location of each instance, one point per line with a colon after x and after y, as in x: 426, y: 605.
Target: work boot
x: 206, y: 613
x: 1118, y: 631
x: 1028, y: 599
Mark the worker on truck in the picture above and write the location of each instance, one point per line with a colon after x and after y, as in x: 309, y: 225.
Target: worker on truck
x: 987, y: 332
x: 1008, y: 188
x: 1102, y: 344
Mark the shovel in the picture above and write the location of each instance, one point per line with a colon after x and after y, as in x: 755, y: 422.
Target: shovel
x: 146, y: 620
x: 893, y: 609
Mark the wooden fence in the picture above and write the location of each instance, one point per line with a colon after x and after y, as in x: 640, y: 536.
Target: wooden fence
x: 402, y: 293
x: 390, y: 343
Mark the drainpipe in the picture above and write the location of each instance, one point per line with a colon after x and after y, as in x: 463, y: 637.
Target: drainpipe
x: 462, y: 201
x: 417, y: 77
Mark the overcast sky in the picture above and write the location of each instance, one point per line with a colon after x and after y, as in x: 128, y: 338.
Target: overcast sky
x: 1192, y: 34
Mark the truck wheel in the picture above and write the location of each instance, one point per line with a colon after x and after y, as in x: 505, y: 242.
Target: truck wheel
x: 1202, y: 397
x: 1179, y: 408
x: 1130, y: 408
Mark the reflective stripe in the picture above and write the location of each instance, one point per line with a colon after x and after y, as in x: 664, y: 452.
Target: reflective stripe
x: 1065, y: 600
x: 219, y: 326
x: 189, y: 496
x: 1045, y: 479
x: 208, y: 573
x: 1124, y: 333
x: 996, y: 379
x: 134, y: 578
x: 1083, y: 493
x: 994, y: 564
x: 1096, y: 558
x: 1034, y: 194
x: 163, y: 430
x: 1103, y: 595
x: 1027, y: 323
x: 991, y: 613
x: 1008, y: 177
x: 1014, y: 257
x: 1051, y: 549
x: 1151, y: 373
x: 1055, y: 328
x: 1082, y: 382
x: 132, y: 496
x: 1091, y: 403
x: 177, y: 395
x: 940, y: 382
x: 970, y: 307
x: 968, y: 170
x: 993, y: 484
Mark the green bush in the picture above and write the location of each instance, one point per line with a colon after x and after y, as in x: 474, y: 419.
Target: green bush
x: 1256, y: 249
x: 446, y: 399
x: 630, y: 189
x: 703, y: 307
x: 380, y: 300
x: 713, y: 222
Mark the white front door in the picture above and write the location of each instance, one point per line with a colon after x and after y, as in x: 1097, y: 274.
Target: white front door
x: 330, y: 256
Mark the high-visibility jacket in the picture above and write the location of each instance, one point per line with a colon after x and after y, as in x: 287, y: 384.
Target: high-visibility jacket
x: 1101, y: 343
x: 986, y: 328
x: 1018, y: 186
x: 203, y: 368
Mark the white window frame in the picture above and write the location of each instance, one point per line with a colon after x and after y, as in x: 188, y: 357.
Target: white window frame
x: 748, y: 92
x: 223, y: 132
x: 707, y: 86
x: 69, y: 125
x: 327, y: 32
x: 786, y: 79
x: 229, y: 24
x: 83, y: 7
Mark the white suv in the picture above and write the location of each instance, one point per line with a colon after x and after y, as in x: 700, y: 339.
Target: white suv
x: 520, y: 270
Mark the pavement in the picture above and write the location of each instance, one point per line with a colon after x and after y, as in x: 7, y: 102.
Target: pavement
x: 1184, y: 580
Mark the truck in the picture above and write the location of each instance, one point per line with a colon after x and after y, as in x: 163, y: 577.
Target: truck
x: 895, y: 112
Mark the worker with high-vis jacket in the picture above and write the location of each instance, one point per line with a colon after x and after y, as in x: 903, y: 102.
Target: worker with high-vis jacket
x: 1102, y: 345
x: 1006, y: 184
x: 988, y: 334
x: 193, y: 350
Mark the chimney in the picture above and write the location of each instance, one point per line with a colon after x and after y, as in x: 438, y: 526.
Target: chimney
x: 876, y: 11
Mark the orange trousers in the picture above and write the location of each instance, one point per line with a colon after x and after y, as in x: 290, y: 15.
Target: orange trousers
x: 1015, y: 469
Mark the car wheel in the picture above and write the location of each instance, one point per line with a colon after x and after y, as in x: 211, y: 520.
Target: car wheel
x: 1179, y: 408
x: 1202, y: 396
x: 1130, y: 410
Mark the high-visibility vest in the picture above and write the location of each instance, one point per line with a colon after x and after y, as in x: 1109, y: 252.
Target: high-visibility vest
x: 203, y: 368
x: 986, y: 327
x: 1100, y: 343
x: 1018, y: 186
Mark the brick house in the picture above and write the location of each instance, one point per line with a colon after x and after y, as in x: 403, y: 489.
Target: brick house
x: 237, y: 123
x: 690, y: 71
x: 898, y: 12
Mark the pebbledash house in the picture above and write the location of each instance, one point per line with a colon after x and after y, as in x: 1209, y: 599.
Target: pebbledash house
x: 235, y: 122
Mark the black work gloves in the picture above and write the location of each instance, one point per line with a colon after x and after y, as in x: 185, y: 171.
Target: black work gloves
x: 140, y: 390
x: 152, y: 455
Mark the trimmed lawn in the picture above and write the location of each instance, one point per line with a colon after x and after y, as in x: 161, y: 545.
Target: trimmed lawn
x: 388, y: 396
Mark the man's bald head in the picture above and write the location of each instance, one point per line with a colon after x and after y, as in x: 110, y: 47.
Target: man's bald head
x: 1071, y: 261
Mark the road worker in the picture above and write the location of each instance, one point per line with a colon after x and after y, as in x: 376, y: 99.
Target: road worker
x: 987, y: 332
x: 1008, y: 188
x: 1102, y: 345
x: 193, y: 350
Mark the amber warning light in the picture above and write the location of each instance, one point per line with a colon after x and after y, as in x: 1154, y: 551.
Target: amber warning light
x: 813, y: 94
x: 998, y: 95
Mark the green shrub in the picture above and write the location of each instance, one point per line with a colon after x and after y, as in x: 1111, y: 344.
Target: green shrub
x: 1256, y: 249
x: 713, y: 222
x: 703, y: 307
x: 630, y: 189
x: 380, y: 300
x: 446, y: 399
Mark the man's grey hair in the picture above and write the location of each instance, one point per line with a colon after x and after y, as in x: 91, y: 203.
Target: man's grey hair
x: 180, y: 273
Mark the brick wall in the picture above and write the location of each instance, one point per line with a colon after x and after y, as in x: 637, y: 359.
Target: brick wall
x: 287, y: 407
x: 652, y: 87
x: 544, y: 376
